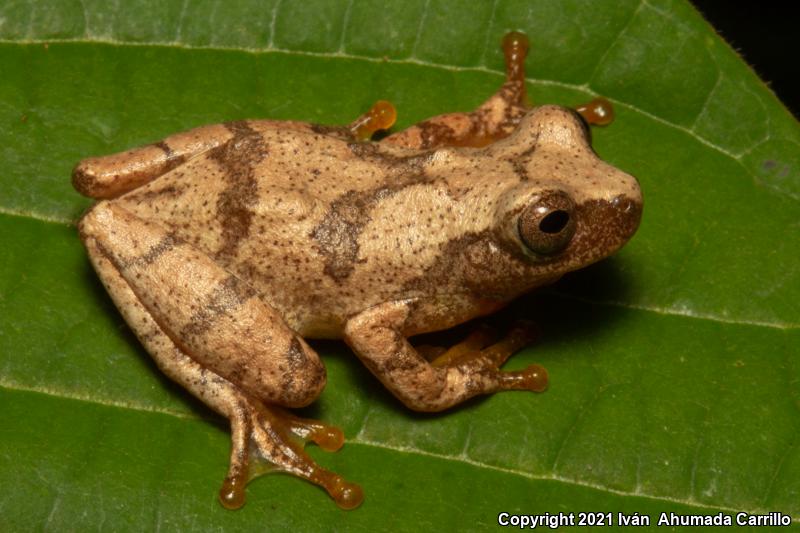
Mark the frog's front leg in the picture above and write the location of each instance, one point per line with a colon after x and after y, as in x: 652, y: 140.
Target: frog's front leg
x: 495, y: 119
x: 376, y: 335
x: 498, y: 116
x: 210, y: 332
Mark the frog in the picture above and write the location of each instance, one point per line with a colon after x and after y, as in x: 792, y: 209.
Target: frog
x: 227, y: 247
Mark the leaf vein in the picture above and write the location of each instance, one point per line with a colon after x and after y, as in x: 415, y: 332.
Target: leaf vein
x: 394, y: 448
x: 345, y: 24
x: 683, y: 312
x: 272, y: 23
x: 691, y: 502
x: 413, y: 60
x: 581, y: 415
x: 422, y: 17
x: 489, y: 31
x: 614, y: 42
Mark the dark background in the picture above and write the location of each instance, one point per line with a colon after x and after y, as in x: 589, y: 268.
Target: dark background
x: 766, y: 35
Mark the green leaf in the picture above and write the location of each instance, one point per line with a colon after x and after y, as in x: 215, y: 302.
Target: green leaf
x: 675, y: 366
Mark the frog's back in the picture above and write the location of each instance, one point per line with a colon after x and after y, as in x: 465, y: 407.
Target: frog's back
x: 280, y: 209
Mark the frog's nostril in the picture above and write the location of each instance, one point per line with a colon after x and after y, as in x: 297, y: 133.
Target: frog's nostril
x: 620, y: 202
x: 554, y: 222
x: 624, y: 204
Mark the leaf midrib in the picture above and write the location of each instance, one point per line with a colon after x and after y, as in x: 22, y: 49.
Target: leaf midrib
x: 586, y: 87
x: 358, y: 441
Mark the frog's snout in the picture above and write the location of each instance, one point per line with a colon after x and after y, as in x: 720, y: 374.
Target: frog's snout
x: 615, y: 215
x: 603, y: 227
x: 612, y: 222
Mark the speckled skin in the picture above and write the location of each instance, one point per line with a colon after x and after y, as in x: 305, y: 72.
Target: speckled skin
x: 225, y: 246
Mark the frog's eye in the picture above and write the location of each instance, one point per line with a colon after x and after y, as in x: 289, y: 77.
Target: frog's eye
x: 547, y: 226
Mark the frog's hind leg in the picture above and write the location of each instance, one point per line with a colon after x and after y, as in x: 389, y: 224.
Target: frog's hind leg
x: 113, y: 175
x: 151, y: 276
x: 493, y: 120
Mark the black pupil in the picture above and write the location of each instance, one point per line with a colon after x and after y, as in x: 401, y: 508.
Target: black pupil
x: 554, y: 222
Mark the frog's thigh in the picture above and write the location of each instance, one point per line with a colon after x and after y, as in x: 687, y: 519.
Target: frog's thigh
x: 113, y: 175
x: 215, y: 391
x: 216, y: 318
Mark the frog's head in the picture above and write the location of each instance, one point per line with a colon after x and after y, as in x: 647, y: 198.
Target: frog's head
x: 569, y: 208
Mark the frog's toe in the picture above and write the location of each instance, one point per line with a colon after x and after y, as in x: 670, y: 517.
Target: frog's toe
x: 329, y: 438
x: 430, y: 352
x: 481, y: 350
x: 268, y: 439
x: 231, y: 495
x: 598, y: 112
x: 474, y: 356
x: 520, y: 335
x: 381, y: 116
x: 534, y: 378
x: 481, y: 354
x: 346, y: 495
x: 467, y: 349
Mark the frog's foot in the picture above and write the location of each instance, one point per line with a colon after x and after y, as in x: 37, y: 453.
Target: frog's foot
x: 482, y: 347
x: 267, y: 439
x: 480, y: 354
x: 466, y: 370
x: 598, y: 112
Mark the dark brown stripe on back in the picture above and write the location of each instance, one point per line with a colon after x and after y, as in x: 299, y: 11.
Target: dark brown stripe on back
x: 238, y: 158
x: 228, y: 296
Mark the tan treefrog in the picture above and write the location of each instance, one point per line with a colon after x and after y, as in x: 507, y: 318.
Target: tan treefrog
x: 225, y: 246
